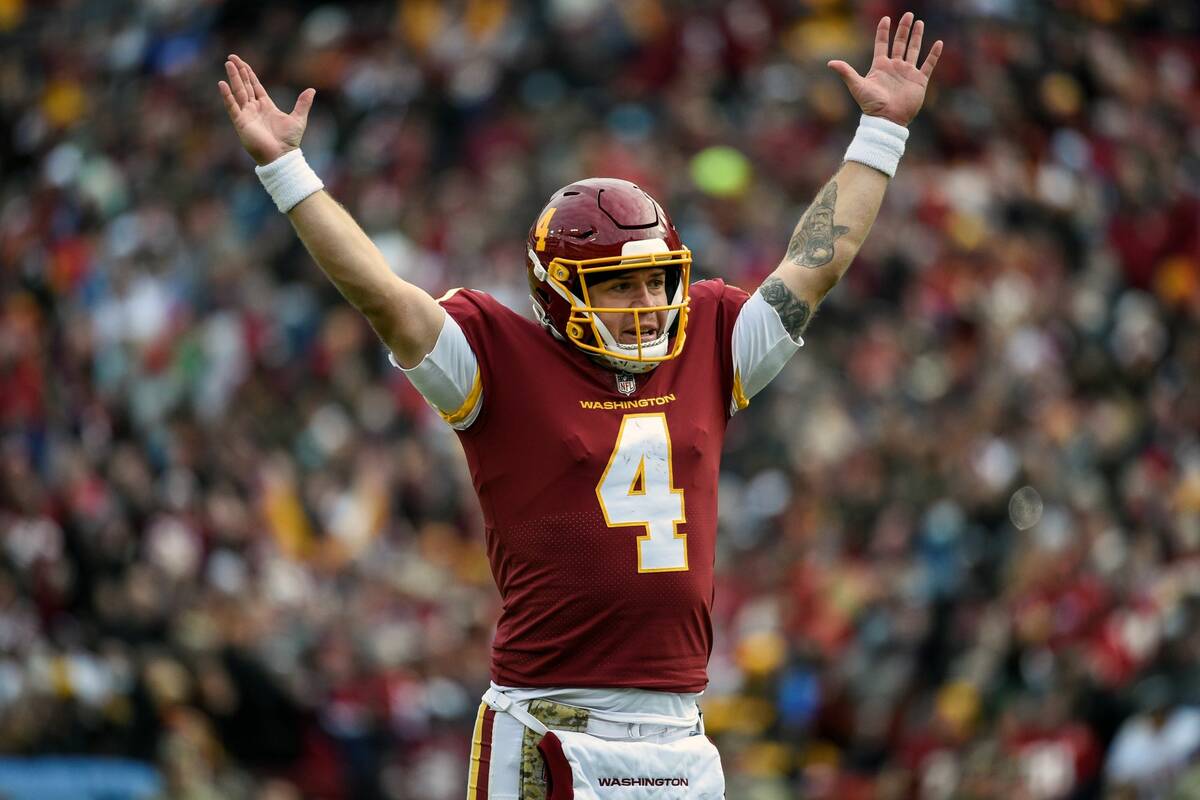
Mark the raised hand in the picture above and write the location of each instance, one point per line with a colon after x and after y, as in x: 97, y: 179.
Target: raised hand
x: 264, y: 130
x: 894, y: 88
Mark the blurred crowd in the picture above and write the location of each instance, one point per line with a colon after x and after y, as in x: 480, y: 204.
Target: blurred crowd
x: 960, y: 541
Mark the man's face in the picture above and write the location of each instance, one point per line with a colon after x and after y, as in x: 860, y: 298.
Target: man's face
x: 638, y: 288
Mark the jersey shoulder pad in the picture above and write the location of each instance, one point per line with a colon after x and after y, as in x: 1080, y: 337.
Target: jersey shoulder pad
x: 717, y: 290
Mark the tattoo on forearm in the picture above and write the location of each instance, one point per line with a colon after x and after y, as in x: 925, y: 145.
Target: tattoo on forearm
x: 812, y: 242
x: 794, y: 312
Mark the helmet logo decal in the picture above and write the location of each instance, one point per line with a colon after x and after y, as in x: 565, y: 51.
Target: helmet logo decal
x: 626, y: 383
x: 543, y: 228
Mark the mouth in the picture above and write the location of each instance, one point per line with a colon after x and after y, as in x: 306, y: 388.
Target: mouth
x: 630, y: 335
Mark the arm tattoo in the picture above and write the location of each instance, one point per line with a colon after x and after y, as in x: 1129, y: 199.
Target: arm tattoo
x: 812, y: 243
x: 793, y: 311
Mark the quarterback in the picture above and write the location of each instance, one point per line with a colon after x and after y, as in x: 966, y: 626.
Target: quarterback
x: 599, y: 487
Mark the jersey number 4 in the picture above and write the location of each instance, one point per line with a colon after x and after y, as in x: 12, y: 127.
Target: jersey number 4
x: 637, y: 488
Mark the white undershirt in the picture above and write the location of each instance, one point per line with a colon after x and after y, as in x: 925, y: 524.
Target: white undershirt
x: 761, y: 346
x: 447, y: 376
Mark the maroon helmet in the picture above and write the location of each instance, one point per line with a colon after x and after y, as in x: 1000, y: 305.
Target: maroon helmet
x: 589, y: 231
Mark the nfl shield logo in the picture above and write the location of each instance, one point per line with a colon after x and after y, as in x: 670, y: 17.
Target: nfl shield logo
x: 626, y: 383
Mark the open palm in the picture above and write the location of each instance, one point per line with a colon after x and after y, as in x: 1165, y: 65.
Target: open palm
x: 264, y: 130
x: 894, y: 88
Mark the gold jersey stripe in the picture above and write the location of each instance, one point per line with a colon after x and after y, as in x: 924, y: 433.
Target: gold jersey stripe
x: 739, y: 394
x: 476, y: 747
x: 468, y: 405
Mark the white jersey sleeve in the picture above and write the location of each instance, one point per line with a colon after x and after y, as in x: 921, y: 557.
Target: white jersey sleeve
x: 761, y: 346
x: 448, y: 377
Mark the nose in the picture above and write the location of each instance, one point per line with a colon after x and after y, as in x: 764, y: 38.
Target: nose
x: 643, y: 296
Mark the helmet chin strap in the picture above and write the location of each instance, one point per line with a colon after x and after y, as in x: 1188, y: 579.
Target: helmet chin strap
x: 542, y: 318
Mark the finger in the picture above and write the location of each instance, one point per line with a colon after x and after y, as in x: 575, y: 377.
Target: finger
x: 238, y: 61
x: 914, y: 44
x: 259, y: 92
x: 227, y: 95
x: 245, y: 73
x: 901, y: 42
x: 304, y: 104
x: 847, y: 73
x: 932, y: 59
x: 881, y: 37
x: 235, y: 83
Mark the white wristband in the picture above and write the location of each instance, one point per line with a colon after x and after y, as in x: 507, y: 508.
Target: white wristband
x: 878, y: 143
x: 289, y: 179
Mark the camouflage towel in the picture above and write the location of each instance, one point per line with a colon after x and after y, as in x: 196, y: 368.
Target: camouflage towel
x: 555, y: 716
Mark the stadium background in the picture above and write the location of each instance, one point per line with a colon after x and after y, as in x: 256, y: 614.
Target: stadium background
x: 238, y: 547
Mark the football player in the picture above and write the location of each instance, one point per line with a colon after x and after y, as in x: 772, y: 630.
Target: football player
x: 594, y: 434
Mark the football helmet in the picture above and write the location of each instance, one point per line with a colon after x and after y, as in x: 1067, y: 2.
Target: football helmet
x: 588, y: 232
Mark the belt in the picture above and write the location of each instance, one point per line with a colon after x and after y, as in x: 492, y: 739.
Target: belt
x: 597, y: 727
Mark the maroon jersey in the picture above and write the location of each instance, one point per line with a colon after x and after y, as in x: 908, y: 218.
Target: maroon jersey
x: 599, y: 496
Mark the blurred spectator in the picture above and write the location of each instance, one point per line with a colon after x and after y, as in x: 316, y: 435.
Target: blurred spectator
x: 1156, y: 745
